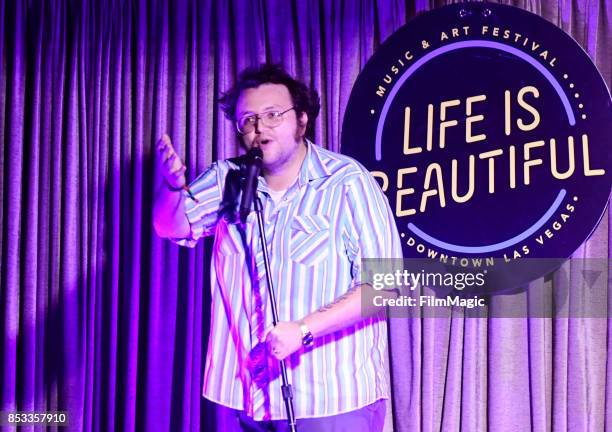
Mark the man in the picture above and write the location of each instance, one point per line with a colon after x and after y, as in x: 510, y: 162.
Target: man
x: 323, y: 213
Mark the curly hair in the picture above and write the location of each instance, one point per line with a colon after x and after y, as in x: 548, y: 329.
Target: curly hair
x: 305, y: 99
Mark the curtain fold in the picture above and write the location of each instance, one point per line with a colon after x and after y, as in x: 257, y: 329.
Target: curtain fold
x: 101, y: 318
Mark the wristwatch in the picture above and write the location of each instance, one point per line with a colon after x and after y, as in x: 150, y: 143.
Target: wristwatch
x: 307, y: 337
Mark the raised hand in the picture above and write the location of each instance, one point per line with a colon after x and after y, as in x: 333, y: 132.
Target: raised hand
x: 170, y: 165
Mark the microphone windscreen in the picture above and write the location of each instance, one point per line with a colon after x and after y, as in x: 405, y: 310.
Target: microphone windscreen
x: 255, y: 155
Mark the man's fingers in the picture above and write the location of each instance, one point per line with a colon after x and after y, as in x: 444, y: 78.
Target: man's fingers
x: 165, y: 138
x: 164, y: 147
x: 164, y: 155
x: 169, y: 155
x: 173, y: 163
x: 178, y: 172
x: 163, y: 142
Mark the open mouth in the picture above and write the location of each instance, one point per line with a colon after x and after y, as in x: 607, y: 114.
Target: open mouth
x: 263, y: 142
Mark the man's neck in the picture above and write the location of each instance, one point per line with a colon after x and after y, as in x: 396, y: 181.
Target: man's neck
x: 284, y: 177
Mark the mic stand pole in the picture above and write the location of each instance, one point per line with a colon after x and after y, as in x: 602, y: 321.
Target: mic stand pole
x: 285, y: 387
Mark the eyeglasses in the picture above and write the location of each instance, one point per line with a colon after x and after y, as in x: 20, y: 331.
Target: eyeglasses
x: 270, y: 119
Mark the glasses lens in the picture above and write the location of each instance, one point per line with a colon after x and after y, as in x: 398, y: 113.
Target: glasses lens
x: 245, y: 124
x: 272, y: 118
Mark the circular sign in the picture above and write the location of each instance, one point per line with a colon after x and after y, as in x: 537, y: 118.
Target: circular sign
x: 489, y: 130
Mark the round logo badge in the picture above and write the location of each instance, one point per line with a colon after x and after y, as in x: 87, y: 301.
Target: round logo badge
x: 489, y: 129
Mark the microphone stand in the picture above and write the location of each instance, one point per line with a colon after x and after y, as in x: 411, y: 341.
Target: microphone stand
x: 285, y: 387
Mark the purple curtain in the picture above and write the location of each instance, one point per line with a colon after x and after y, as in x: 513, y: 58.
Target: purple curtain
x: 101, y: 318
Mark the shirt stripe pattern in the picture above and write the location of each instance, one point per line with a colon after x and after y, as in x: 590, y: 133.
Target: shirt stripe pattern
x: 332, y: 217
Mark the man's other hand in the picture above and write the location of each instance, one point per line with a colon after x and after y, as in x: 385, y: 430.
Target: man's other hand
x: 284, y: 339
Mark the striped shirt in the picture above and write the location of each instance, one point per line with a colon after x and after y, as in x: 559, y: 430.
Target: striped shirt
x: 331, y: 217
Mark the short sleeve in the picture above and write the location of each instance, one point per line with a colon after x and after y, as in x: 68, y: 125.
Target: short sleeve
x: 371, y: 231
x: 203, y: 214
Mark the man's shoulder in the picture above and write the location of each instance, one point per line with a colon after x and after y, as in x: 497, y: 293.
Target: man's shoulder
x: 339, y: 165
x: 222, y: 166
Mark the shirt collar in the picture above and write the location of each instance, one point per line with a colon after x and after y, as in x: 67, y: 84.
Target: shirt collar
x: 313, y: 167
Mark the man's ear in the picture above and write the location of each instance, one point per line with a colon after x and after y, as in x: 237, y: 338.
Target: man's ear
x: 302, y: 123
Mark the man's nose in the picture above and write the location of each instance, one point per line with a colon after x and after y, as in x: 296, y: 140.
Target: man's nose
x: 257, y: 120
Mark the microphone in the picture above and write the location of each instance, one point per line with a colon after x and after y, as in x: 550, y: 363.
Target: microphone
x: 252, y: 167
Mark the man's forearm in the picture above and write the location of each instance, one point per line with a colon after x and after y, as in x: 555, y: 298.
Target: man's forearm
x: 169, y: 217
x: 341, y: 313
